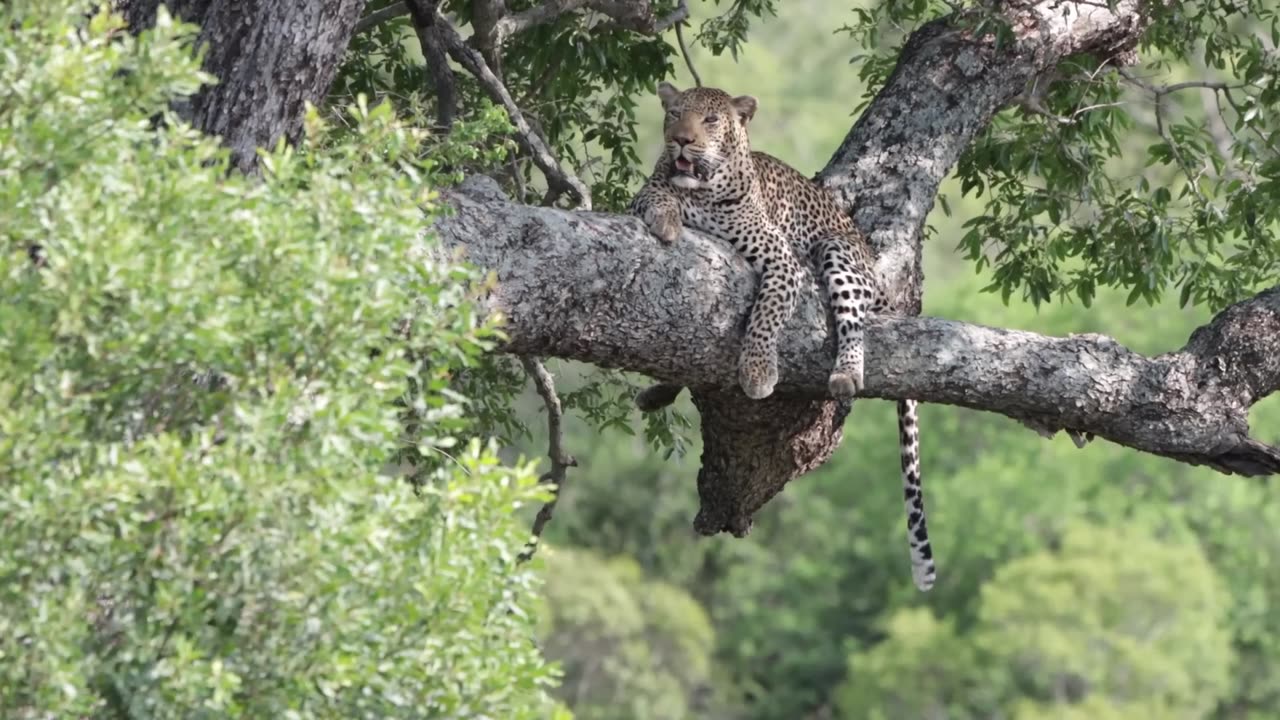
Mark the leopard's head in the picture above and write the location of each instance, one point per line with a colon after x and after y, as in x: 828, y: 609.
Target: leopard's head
x: 705, y: 130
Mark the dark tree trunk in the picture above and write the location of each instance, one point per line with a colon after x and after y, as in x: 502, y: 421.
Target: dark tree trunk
x: 270, y: 57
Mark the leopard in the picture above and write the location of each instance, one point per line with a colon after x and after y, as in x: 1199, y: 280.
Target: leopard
x: 710, y: 180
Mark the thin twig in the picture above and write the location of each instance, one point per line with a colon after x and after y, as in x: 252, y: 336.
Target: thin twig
x: 1033, y: 105
x: 1159, y: 92
x: 1162, y: 90
x: 560, y: 461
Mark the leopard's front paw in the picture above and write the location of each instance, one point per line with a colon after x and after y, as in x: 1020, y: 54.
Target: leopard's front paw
x: 758, y: 372
x: 666, y: 226
x: 844, y: 385
x: 846, y: 378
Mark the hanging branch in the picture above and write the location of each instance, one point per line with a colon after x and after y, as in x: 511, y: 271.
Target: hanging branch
x: 684, y: 50
x: 560, y: 461
x: 423, y: 14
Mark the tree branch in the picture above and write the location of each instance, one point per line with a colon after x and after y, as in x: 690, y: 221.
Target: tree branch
x: 485, y: 16
x: 559, y: 180
x: 684, y: 52
x: 431, y: 38
x: 945, y: 89
x: 560, y: 460
x: 623, y: 300
x: 635, y: 15
x: 631, y: 16
x: 373, y: 19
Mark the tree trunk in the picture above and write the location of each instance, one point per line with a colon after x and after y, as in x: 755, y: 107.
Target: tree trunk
x: 271, y: 57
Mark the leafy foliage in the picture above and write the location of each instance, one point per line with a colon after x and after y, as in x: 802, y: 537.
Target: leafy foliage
x: 1070, y: 207
x: 198, y: 388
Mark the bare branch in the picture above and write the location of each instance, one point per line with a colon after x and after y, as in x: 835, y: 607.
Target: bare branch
x: 1162, y: 90
x: 560, y: 461
x: 559, y: 180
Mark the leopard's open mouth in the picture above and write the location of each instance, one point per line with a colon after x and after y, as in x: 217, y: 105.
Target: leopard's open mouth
x: 689, y: 168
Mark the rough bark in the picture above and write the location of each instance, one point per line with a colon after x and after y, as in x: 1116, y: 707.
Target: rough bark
x: 270, y: 58
x: 598, y: 288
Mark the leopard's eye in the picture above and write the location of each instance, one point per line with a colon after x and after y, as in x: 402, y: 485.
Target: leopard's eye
x: 711, y: 119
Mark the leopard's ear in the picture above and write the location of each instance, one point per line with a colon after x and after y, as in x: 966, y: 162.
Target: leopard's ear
x: 667, y: 93
x: 745, y: 106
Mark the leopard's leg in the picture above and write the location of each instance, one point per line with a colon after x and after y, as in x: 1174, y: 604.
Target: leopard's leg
x: 853, y: 292
x: 775, y: 303
x: 660, y: 210
x: 923, y: 571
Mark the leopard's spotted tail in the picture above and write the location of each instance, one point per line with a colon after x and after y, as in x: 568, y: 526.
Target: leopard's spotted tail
x: 922, y: 569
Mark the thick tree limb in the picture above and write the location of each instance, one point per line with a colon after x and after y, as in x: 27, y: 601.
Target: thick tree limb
x: 634, y: 15
x: 598, y: 288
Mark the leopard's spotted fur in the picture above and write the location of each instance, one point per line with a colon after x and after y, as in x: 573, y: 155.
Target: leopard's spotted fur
x: 709, y: 179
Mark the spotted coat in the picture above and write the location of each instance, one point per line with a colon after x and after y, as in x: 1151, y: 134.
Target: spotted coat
x: 710, y: 180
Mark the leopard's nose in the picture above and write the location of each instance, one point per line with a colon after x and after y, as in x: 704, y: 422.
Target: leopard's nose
x: 682, y: 138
